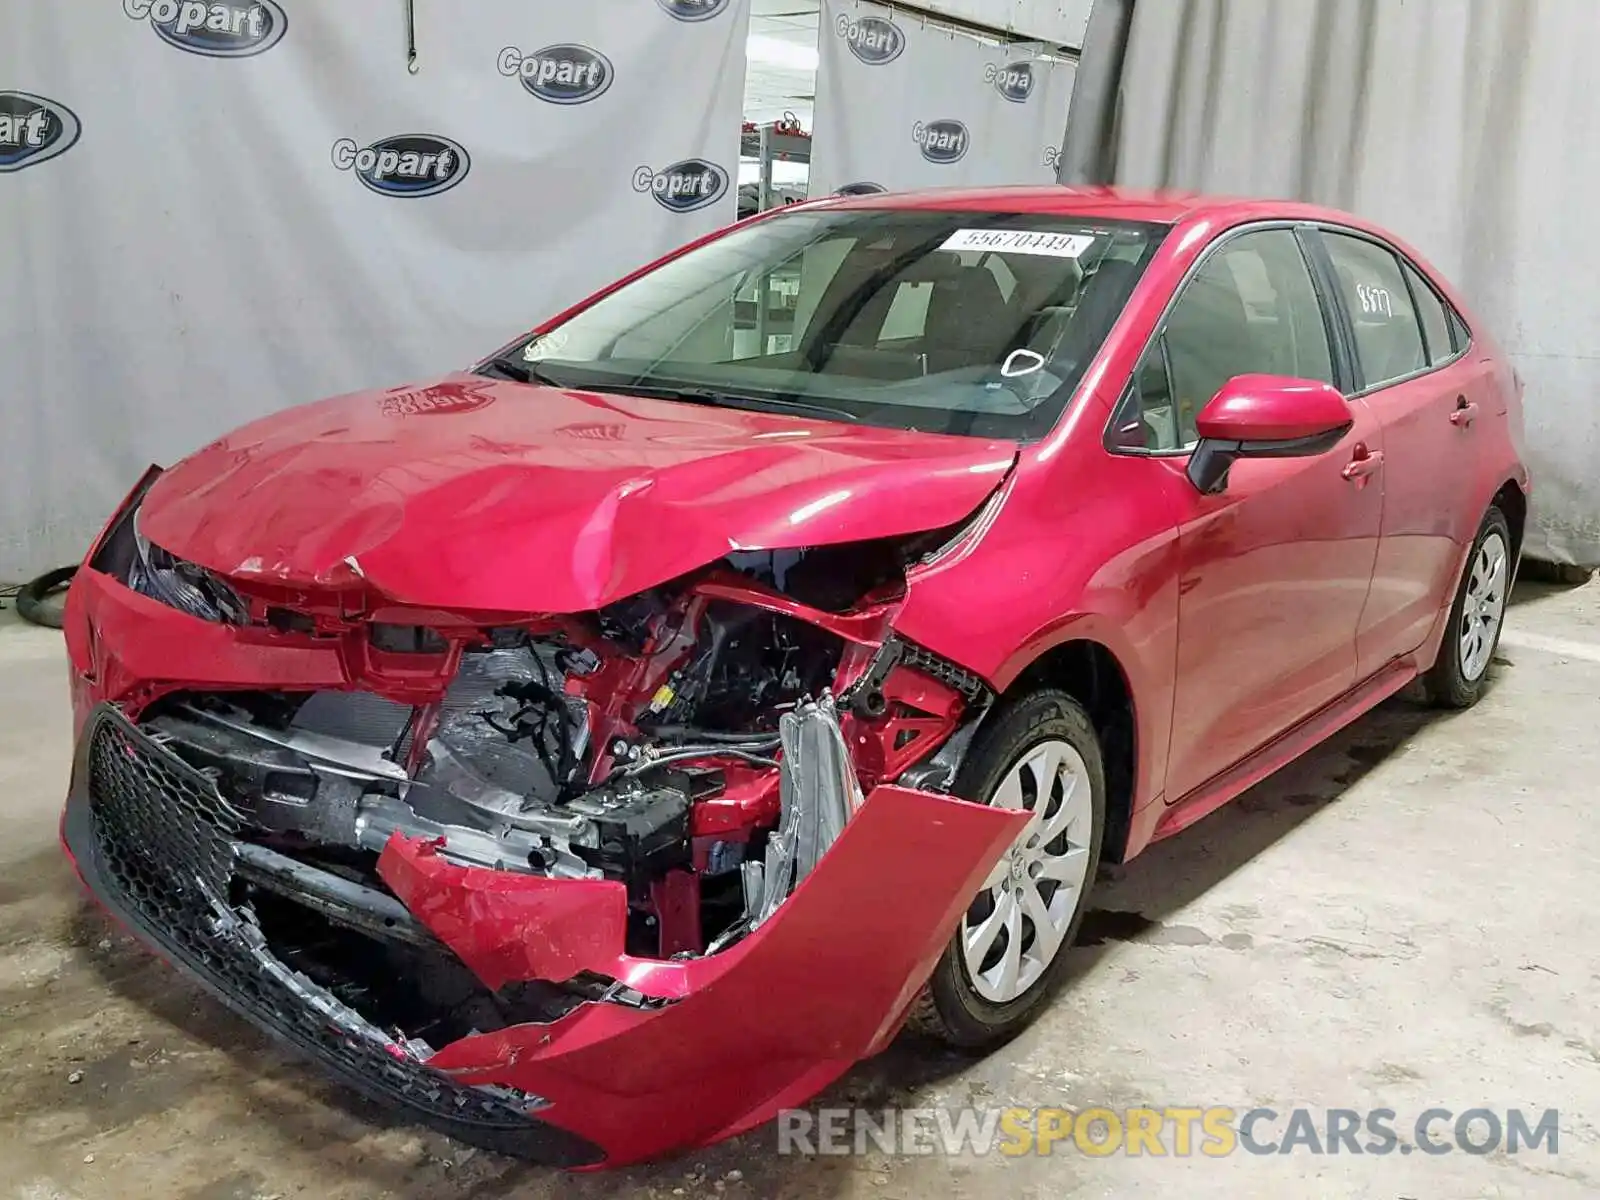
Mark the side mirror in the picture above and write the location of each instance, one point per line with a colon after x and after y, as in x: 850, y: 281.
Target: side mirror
x: 1265, y: 416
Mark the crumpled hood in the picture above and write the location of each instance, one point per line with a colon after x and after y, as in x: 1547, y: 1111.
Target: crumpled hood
x: 473, y: 493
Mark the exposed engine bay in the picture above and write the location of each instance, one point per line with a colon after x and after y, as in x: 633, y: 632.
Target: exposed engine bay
x: 701, y: 744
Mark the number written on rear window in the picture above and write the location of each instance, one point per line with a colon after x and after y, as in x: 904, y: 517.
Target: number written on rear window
x: 1375, y: 299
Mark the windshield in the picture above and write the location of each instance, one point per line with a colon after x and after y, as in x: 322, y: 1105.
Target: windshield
x: 947, y: 322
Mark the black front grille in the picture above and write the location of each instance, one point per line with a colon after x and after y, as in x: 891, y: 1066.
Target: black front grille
x: 163, y: 837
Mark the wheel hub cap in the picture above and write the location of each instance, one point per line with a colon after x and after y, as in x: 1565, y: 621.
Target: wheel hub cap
x: 1018, y: 922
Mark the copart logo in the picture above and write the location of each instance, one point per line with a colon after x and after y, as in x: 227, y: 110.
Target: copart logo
x: 693, y: 10
x: 941, y: 141
x: 874, y: 40
x: 409, y: 164
x: 684, y: 186
x: 215, y: 30
x: 33, y: 129
x: 1014, y: 82
x: 564, y: 74
x: 862, y: 188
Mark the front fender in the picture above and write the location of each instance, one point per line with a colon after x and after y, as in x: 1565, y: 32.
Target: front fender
x: 1085, y: 546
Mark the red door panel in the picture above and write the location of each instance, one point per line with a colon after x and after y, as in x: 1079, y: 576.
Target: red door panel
x: 1431, y: 433
x: 1274, y: 574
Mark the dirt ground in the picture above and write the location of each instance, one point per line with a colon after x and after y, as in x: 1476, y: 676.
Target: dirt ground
x: 1404, y: 919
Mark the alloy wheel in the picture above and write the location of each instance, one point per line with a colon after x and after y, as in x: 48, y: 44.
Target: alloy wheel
x: 1016, y: 926
x: 1484, y: 605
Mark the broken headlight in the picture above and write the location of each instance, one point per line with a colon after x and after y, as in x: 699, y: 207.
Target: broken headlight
x: 181, y: 585
x: 125, y: 554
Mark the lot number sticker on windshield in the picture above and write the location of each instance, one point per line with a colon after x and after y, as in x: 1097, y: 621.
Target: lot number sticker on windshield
x: 1020, y: 241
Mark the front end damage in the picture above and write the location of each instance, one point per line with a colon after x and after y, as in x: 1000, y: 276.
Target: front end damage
x: 588, y: 887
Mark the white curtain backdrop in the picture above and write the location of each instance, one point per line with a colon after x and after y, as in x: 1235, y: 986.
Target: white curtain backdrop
x: 1462, y: 126
x: 904, y: 103
x: 262, y: 206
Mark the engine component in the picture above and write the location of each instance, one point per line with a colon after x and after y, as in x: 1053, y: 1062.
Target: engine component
x: 640, y: 835
x: 747, y: 663
x: 506, y: 729
x: 505, y: 848
x: 684, y: 688
x: 343, y: 793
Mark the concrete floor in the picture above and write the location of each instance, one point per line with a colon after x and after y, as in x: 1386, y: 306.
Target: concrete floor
x: 1401, y: 920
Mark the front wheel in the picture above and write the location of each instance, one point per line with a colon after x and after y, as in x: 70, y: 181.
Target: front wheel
x: 1460, y: 673
x: 1008, y: 954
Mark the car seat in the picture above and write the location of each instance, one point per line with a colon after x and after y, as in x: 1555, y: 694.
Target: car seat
x: 969, y: 322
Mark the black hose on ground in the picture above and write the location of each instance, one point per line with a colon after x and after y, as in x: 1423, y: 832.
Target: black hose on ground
x: 31, y: 604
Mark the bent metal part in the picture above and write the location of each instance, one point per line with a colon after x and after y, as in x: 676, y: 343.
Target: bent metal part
x: 356, y: 863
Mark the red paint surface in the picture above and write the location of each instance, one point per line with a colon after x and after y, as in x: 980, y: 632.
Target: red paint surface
x: 1270, y: 408
x: 511, y: 506
x: 752, y: 1029
x: 507, y: 926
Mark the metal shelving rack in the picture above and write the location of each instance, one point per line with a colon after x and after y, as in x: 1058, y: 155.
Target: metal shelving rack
x: 771, y: 321
x: 767, y: 145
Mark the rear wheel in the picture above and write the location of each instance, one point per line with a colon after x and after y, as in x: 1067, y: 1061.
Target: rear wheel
x: 1009, y: 952
x: 1460, y: 673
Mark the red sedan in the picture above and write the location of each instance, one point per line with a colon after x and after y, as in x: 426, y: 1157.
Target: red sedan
x: 596, y: 751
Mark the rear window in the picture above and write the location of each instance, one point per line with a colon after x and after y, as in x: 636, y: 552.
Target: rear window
x: 1387, y: 329
x: 1436, y: 335
x: 949, y: 322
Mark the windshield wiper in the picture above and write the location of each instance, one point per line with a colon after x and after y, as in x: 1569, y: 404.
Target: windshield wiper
x: 741, y: 400
x: 521, y: 371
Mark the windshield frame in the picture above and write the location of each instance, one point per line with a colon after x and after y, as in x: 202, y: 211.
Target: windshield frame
x: 1050, y: 407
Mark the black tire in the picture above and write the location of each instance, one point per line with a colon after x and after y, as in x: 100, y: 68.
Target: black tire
x: 33, y: 603
x: 950, y: 1008
x: 1446, y: 685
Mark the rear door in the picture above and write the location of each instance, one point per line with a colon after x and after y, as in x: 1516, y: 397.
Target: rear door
x: 1274, y: 568
x: 1413, y: 373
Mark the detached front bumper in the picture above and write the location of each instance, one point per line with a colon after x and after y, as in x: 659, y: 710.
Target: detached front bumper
x: 728, y: 1040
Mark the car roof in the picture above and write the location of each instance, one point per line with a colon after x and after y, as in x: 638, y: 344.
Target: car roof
x: 1105, y: 203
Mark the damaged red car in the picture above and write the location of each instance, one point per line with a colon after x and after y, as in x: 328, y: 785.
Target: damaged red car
x: 593, y: 752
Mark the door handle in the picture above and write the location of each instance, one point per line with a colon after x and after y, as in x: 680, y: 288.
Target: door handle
x: 1466, y: 412
x: 1363, y: 465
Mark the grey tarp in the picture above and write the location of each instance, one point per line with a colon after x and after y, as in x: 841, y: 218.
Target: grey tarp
x: 1460, y: 124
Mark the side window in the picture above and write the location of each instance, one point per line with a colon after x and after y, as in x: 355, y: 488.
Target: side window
x: 1250, y: 309
x: 1388, y: 333
x: 1147, y: 419
x: 1431, y: 309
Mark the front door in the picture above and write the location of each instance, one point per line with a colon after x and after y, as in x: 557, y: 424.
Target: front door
x: 1276, y: 567
x: 1275, y: 572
